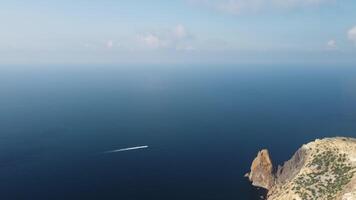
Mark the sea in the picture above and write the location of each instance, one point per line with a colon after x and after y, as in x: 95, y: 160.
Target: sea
x: 202, y: 125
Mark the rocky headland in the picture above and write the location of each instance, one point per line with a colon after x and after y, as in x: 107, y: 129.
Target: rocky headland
x: 322, y: 170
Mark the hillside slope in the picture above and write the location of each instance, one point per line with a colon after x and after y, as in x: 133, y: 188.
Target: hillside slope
x: 324, y: 170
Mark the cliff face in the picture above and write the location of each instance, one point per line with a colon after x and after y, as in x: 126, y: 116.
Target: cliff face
x: 323, y: 169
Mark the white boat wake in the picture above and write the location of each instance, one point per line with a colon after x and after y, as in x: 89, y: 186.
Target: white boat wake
x: 126, y: 149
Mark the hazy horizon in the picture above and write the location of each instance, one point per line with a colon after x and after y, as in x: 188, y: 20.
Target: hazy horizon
x: 178, y: 31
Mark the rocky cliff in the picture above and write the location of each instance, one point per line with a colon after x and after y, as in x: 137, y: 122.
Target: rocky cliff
x: 261, y: 170
x: 323, y: 170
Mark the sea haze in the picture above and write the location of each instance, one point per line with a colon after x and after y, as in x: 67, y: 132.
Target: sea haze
x: 202, y: 126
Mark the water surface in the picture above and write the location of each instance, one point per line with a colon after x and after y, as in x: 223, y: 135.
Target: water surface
x: 203, y: 126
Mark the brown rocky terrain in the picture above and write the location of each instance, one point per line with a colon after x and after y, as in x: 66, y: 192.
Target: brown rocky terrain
x: 321, y: 170
x: 261, y: 170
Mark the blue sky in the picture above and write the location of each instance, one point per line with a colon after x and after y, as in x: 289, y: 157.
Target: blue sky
x: 177, y: 31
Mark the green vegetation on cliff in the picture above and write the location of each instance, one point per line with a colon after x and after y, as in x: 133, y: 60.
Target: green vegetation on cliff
x: 330, y: 173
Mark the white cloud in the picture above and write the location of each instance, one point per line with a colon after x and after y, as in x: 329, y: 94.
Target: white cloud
x: 352, y: 34
x: 109, y: 44
x: 152, y: 41
x: 180, y: 32
x: 331, y: 45
x: 247, y: 6
x: 177, y: 38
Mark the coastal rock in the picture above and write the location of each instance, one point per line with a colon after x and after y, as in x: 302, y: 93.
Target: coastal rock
x: 261, y: 170
x: 291, y: 167
x: 324, y: 170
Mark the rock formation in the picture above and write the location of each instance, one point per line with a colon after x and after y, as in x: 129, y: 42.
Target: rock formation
x: 323, y: 170
x: 261, y: 171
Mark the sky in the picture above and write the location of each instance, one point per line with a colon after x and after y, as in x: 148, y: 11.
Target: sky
x: 177, y: 31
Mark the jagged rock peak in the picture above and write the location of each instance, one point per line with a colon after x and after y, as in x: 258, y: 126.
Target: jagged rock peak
x: 261, y: 174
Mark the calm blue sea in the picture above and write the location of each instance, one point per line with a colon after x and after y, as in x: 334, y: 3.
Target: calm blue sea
x: 203, y: 125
